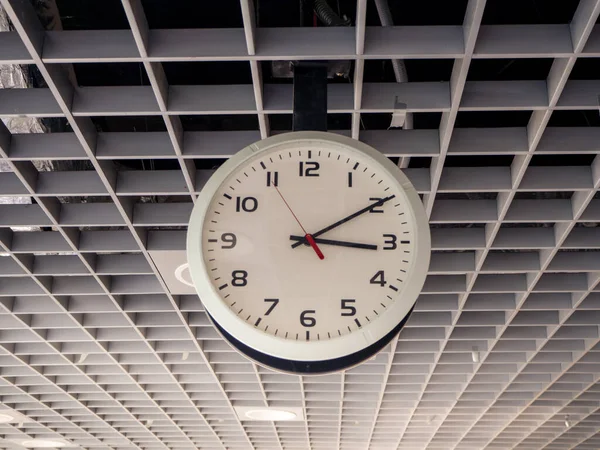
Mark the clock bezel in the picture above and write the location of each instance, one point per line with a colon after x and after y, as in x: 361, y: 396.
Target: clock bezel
x: 307, y: 350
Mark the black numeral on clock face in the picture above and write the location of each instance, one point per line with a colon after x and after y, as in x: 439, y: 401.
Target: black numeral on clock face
x: 229, y: 239
x: 347, y: 308
x: 274, y: 302
x: 379, y: 278
x: 239, y: 278
x: 306, y: 320
x: 309, y: 169
x: 272, y: 178
x: 390, y: 242
x: 349, y: 179
x: 376, y: 209
x: 248, y: 204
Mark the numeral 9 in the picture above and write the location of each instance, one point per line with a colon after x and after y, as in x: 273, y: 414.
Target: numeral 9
x: 229, y: 238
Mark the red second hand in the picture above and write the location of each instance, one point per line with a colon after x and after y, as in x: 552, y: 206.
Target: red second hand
x: 314, y: 245
x: 307, y: 236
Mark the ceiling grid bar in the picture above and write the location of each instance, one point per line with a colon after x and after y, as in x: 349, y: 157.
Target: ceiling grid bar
x: 36, y: 399
x: 503, y: 344
x: 68, y: 361
x: 341, y: 413
x: 160, y: 86
x: 588, y: 13
x: 573, y: 426
x: 305, y: 410
x: 471, y: 25
x: 518, y: 169
x: 45, y: 285
x: 47, y: 289
x: 26, y: 13
x: 551, y: 333
x: 386, y: 375
x: 359, y: 65
x: 248, y: 18
x: 458, y: 80
x: 266, y: 402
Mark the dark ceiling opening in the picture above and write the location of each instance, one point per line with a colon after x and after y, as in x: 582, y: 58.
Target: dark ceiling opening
x: 161, y: 14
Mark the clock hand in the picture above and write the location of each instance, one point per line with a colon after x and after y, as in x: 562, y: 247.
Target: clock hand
x: 307, y: 237
x: 346, y: 219
x: 338, y: 243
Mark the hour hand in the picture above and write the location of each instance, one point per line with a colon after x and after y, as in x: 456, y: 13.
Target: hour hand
x: 334, y: 242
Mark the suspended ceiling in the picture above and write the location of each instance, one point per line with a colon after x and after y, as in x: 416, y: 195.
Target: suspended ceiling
x: 503, y: 349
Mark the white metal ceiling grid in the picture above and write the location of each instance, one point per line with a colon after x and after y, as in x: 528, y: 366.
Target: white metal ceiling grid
x: 503, y: 347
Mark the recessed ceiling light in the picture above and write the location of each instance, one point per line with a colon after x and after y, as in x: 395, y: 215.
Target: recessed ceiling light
x: 43, y: 443
x: 182, y: 273
x: 5, y: 418
x: 270, y: 414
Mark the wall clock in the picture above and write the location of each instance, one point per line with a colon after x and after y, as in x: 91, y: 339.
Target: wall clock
x: 308, y: 251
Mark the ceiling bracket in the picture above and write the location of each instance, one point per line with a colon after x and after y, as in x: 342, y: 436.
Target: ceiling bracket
x: 310, y: 96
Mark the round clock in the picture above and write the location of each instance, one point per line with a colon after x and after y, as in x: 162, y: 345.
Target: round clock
x: 308, y: 251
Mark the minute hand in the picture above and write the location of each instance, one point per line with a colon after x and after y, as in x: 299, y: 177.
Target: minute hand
x: 346, y: 219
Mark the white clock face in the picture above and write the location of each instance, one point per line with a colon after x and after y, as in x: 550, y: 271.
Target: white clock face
x: 342, y: 280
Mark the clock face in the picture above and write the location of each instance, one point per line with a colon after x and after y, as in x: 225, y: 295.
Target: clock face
x: 309, y: 249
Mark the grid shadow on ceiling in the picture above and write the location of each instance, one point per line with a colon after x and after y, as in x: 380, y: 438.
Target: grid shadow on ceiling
x: 501, y: 348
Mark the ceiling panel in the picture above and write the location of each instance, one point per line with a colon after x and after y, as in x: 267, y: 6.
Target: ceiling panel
x: 115, y: 118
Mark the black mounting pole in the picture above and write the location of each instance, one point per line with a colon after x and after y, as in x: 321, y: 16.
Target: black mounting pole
x: 310, y: 96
